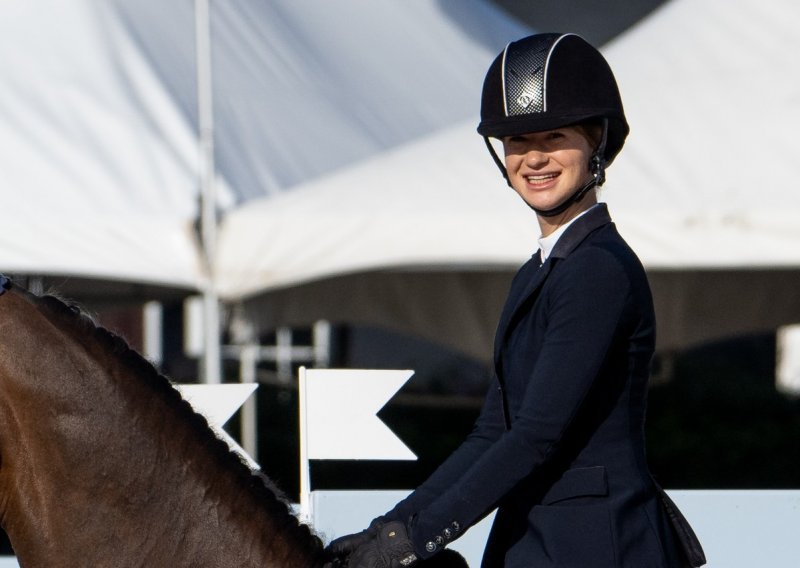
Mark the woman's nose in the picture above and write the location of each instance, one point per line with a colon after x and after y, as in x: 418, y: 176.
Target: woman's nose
x: 535, y: 158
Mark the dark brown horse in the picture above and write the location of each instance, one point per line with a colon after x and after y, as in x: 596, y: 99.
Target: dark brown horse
x: 103, y: 464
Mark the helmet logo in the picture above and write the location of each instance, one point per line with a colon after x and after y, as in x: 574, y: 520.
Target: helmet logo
x: 525, y: 100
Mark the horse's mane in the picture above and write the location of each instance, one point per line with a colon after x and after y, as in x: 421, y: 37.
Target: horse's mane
x: 258, y: 485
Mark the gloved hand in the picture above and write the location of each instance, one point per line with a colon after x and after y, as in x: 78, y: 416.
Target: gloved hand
x: 344, y: 546
x: 391, y: 548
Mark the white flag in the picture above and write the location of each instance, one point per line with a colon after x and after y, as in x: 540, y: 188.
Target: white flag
x: 217, y: 403
x: 338, y: 414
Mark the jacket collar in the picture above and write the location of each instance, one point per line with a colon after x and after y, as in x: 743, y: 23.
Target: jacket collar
x: 595, y: 218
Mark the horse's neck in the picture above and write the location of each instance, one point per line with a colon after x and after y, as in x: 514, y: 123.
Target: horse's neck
x: 96, y: 466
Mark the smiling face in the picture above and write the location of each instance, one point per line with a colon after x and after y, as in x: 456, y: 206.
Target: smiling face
x: 545, y: 168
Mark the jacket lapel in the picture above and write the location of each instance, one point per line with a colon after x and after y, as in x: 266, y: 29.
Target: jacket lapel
x: 531, y: 276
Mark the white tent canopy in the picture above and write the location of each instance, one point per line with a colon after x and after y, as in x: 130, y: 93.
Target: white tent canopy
x: 706, y: 180
x: 98, y: 108
x: 100, y: 155
x: 98, y: 164
x: 303, y: 87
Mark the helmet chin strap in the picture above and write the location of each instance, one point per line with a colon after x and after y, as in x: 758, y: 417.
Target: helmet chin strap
x: 597, y: 168
x: 597, y: 165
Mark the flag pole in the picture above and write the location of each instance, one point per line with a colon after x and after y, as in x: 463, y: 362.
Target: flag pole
x: 305, y: 514
x: 211, y: 368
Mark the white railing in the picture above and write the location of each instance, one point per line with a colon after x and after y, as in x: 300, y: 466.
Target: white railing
x: 738, y: 529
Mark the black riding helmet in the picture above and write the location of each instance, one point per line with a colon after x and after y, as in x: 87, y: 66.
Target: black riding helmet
x: 548, y: 81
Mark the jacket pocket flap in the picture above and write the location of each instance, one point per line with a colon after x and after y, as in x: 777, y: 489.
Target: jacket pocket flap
x: 578, y: 482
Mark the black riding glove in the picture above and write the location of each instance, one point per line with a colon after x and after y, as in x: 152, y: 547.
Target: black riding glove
x: 344, y: 546
x: 391, y: 548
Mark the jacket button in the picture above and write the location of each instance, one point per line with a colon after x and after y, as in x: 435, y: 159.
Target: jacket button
x: 430, y: 546
x: 455, y: 526
x: 439, y: 540
x: 448, y: 534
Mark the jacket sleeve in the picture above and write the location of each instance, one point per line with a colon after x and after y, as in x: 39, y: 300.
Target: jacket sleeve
x: 487, y: 430
x: 585, y: 303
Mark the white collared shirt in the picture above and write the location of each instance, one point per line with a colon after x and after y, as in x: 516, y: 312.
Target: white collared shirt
x: 548, y: 243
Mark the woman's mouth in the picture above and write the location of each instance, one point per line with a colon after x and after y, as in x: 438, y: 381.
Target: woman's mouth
x: 541, y: 179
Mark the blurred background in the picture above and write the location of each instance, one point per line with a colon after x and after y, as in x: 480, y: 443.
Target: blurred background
x: 241, y: 188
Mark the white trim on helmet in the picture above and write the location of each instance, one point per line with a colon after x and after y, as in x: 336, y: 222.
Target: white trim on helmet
x: 503, y: 79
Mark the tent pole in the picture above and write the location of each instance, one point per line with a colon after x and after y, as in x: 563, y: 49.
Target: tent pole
x: 211, y: 368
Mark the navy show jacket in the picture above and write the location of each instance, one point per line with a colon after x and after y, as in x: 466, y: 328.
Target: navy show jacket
x: 559, y: 446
